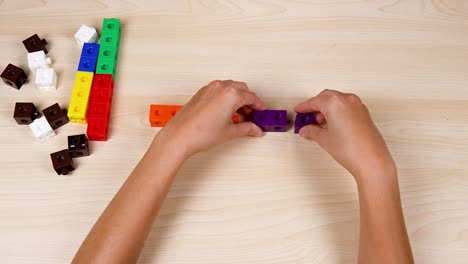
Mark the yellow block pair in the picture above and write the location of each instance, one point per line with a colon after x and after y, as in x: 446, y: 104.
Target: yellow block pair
x: 80, y: 96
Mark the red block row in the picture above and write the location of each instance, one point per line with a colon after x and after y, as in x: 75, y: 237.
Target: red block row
x: 99, y: 107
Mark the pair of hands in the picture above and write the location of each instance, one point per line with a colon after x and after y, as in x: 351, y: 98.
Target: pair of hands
x: 345, y: 128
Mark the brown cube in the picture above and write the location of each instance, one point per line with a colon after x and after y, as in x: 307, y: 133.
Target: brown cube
x: 35, y: 43
x: 14, y: 76
x: 55, y: 116
x: 78, y: 146
x: 62, y: 162
x: 25, y: 113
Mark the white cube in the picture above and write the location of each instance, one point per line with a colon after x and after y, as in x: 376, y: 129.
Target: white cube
x: 42, y: 129
x: 37, y: 60
x: 46, y: 79
x: 86, y: 34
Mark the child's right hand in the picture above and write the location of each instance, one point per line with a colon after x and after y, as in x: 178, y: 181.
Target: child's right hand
x: 347, y: 132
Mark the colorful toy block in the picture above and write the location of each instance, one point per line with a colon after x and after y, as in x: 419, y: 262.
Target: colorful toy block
x: 46, y: 79
x: 78, y: 146
x: 97, y: 129
x: 55, y: 116
x: 100, y: 96
x: 99, y: 110
x: 25, y: 113
x: 86, y: 34
x: 111, y: 24
x: 34, y: 43
x: 42, y: 129
x: 14, y: 76
x: 88, y: 59
x: 103, y: 81
x: 304, y: 119
x: 62, y: 162
x: 160, y: 115
x: 110, y: 38
x: 80, y: 96
x: 272, y: 120
x: 37, y: 60
x: 106, y: 66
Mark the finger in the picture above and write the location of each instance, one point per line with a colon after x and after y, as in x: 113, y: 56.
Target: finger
x: 320, y: 119
x: 244, y: 110
x: 314, y: 132
x: 250, y: 99
x: 238, y: 85
x: 245, y: 129
x: 329, y: 92
x: 313, y: 104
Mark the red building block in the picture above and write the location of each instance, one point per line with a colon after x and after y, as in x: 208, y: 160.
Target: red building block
x: 99, y: 110
x: 160, y: 115
x: 103, y: 81
x: 97, y: 129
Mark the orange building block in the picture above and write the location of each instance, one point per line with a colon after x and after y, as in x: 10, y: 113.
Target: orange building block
x: 160, y: 115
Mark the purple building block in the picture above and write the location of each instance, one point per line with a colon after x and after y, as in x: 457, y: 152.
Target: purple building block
x: 304, y: 119
x: 272, y: 120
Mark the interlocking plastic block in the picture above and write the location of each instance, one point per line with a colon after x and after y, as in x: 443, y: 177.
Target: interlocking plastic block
x: 111, y: 24
x: 86, y: 34
x: 97, y: 129
x: 160, y: 115
x: 46, y: 79
x: 272, y: 120
x: 100, y: 96
x: 99, y: 110
x: 304, y: 119
x: 83, y: 80
x: 106, y: 66
x: 90, y: 50
x: 78, y: 146
x: 55, y: 116
x: 14, y: 76
x: 25, y: 113
x: 62, y: 162
x: 77, y: 111
x: 110, y: 38
x: 108, y: 53
x: 89, y: 57
x: 87, y: 64
x: 42, y: 129
x: 37, y: 60
x: 103, y: 81
x: 35, y: 43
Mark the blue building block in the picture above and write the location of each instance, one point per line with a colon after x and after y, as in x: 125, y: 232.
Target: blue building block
x: 87, y: 64
x: 304, y: 119
x: 272, y: 120
x: 90, y: 50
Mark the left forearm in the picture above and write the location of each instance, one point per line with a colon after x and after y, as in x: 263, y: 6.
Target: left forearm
x: 119, y: 234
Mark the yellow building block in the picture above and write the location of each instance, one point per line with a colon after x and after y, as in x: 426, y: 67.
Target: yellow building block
x: 77, y: 111
x: 80, y: 96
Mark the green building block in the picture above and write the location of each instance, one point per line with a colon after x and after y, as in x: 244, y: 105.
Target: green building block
x: 106, y: 66
x: 111, y: 24
x: 108, y: 52
x: 110, y: 38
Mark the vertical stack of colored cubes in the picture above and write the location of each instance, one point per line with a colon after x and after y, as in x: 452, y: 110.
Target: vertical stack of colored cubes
x: 82, y: 86
x: 91, y: 98
x: 103, y: 85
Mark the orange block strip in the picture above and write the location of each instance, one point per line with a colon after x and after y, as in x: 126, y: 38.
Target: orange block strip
x: 160, y: 115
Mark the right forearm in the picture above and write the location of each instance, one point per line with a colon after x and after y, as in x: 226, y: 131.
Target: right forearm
x: 383, y: 237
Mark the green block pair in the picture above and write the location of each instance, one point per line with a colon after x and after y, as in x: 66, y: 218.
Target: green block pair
x: 109, y: 47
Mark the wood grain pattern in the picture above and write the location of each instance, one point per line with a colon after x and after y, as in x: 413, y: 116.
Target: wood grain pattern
x: 277, y: 199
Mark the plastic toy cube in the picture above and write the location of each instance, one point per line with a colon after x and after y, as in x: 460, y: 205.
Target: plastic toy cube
x: 272, y: 120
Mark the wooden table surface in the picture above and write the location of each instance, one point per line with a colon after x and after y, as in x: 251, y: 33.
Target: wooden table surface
x: 277, y: 199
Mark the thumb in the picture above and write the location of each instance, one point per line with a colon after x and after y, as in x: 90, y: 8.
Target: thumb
x: 245, y: 129
x: 313, y: 132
